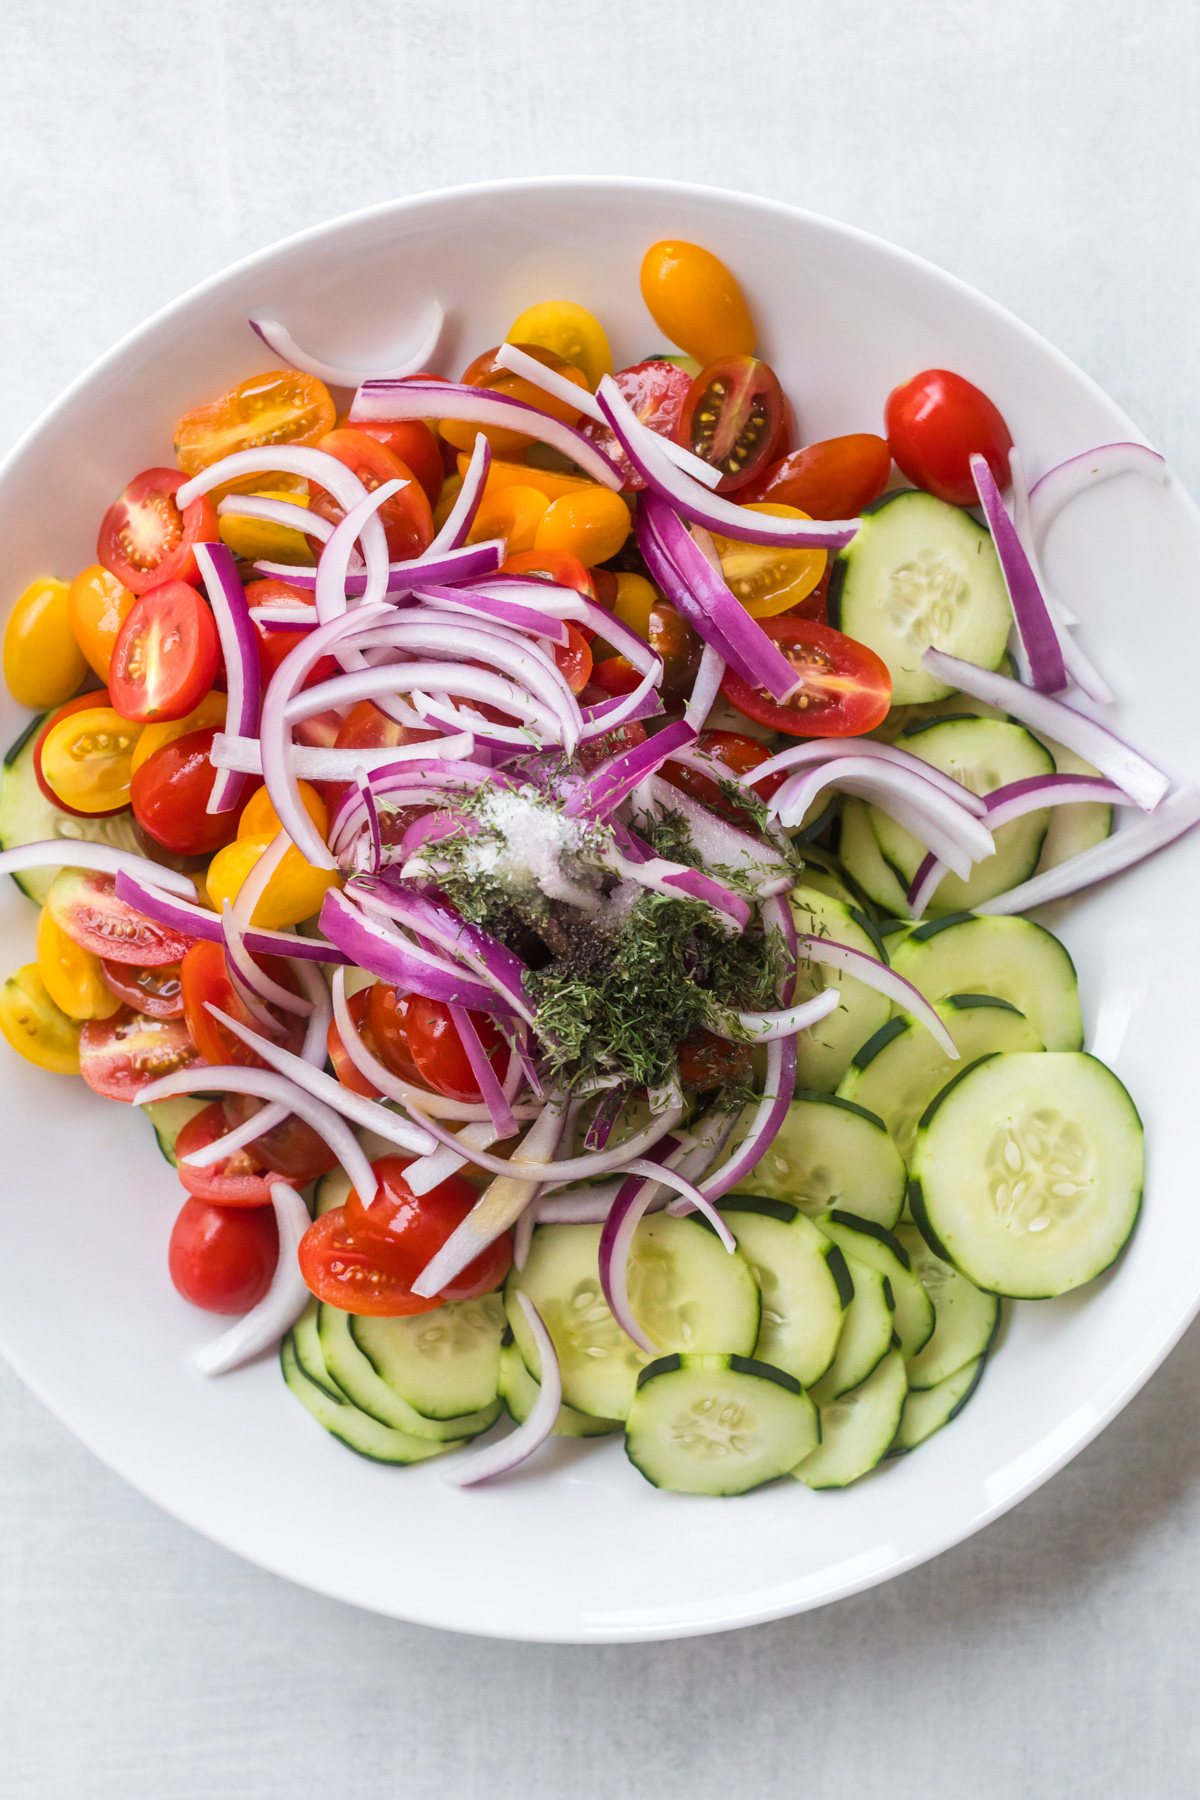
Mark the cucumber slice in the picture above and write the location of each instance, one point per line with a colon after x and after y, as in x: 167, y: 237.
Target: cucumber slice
x: 983, y: 754
x: 866, y: 1334
x: 27, y: 817
x: 857, y: 1430
x: 169, y: 1117
x: 331, y: 1191
x: 826, y: 872
x: 918, y: 573
x: 355, y: 1429
x: 307, y: 1343
x: 519, y: 1392
x: 913, y: 1318
x: 823, y: 1052
x: 366, y: 1389
x: 860, y: 852
x: 1072, y: 829
x: 718, y: 1424
x: 1013, y: 959
x: 927, y: 1411
x: 803, y: 1280
x: 823, y: 881
x: 1027, y: 1172
x: 831, y: 1153
x: 966, y: 1318
x: 444, y: 1363
x: 686, y: 1290
x: 903, y: 1067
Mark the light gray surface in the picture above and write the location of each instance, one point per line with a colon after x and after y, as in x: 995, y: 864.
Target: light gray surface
x: 1045, y: 150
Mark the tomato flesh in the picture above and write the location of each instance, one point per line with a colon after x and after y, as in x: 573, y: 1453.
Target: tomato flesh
x: 406, y: 517
x: 222, y: 1258
x: 156, y: 992
x: 205, y: 979
x: 935, y: 423
x: 237, y: 1180
x: 623, y: 737
x: 292, y: 1150
x: 732, y: 417
x: 274, y: 641
x: 834, y: 479
x: 707, y: 1061
x: 84, y: 904
x: 170, y: 792
x: 166, y: 655
x: 657, y: 392
x: 146, y: 540
x: 121, y: 1055
x: 846, y: 688
x: 437, y: 1050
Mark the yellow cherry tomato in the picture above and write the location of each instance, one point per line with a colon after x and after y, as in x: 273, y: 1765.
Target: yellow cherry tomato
x: 451, y: 488
x: 504, y: 474
x: 36, y: 1028
x: 635, y: 597
x: 294, y: 892
x: 74, y: 978
x: 256, y: 540
x: 87, y: 759
x: 211, y: 711
x: 43, y: 664
x: 281, y: 406
x: 768, y: 580
x: 591, y: 525
x: 512, y: 513
x: 96, y: 606
x: 695, y: 300
x: 568, y: 329
x: 259, y: 817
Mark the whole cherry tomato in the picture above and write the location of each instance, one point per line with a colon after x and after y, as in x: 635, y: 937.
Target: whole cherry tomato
x: 274, y: 642
x: 222, y: 1258
x: 552, y: 565
x: 695, y: 301
x: 170, y: 793
x: 437, y: 1049
x: 834, y: 479
x: 935, y: 423
x: 406, y: 517
x: 486, y: 372
x: 412, y: 441
x: 144, y: 538
x: 846, y: 689
x: 343, y: 1067
x: 205, y: 978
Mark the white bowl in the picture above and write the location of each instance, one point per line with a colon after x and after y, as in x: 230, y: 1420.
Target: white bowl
x: 577, y: 1547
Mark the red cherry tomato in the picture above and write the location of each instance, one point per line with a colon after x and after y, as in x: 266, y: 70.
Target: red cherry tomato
x: 291, y: 1151
x: 166, y: 655
x: 275, y: 642
x: 656, y: 391
x: 403, y: 1231
x: 935, y: 423
x: 738, y: 753
x: 406, y: 516
x: 732, y: 417
x: 846, y: 691
x: 170, y: 793
x: 157, y: 992
x: 707, y: 1061
x: 85, y: 906
x: 337, y: 1270
x: 385, y: 1015
x: 145, y: 539
x: 574, y: 659
x: 831, y: 480
x: 222, y: 1258
x: 597, y: 750
x: 412, y: 441
x: 367, y: 727
x: 81, y: 703
x: 346, y: 1071
x: 205, y: 979
x: 552, y: 565
x: 437, y: 1050
x: 121, y: 1055
x: 237, y: 1180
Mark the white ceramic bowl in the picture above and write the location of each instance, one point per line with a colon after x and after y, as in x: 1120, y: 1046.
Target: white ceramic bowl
x: 577, y: 1547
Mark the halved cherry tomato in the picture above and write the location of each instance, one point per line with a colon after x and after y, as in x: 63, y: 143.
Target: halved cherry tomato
x: 81, y: 703
x: 739, y: 754
x: 385, y: 1015
x: 672, y: 638
x: 732, y: 418
x: 274, y: 642
x: 84, y: 903
x: 337, y: 1271
x: 222, y: 1258
x: 170, y: 793
x: 119, y: 1056
x: 846, y: 687
x: 346, y: 1071
x: 97, y: 603
x: 707, y: 1061
x: 437, y: 1050
x: 834, y: 479
x: 413, y: 442
x: 281, y: 406
x: 594, y: 751
x: 574, y: 659
x: 485, y: 372
x: 403, y: 1231
x: 291, y: 1151
x: 695, y: 301
x: 204, y: 978
x: 935, y: 423
x: 74, y: 978
x: 86, y: 758
x: 155, y: 991
x: 552, y: 565
x: 406, y: 518
x: 769, y: 578
x: 37, y: 1028
x: 166, y: 655
x: 144, y: 538
x: 237, y: 1180
x: 656, y: 391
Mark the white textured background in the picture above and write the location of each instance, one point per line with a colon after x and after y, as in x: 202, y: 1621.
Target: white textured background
x: 1047, y: 151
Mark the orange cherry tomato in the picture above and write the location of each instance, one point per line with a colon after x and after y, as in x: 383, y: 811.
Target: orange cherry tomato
x: 695, y: 301
x: 97, y: 605
x: 145, y: 539
x: 485, y: 372
x: 846, y: 688
x: 205, y: 977
x: 511, y: 513
x: 281, y: 406
x: 347, y: 1071
x: 591, y: 525
x: 834, y: 479
x: 406, y: 516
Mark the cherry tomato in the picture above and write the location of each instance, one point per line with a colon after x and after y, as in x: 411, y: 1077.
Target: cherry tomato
x: 222, y: 1258
x: 591, y: 525
x: 574, y: 659
x: 513, y: 513
x: 337, y: 1271
x: 732, y: 417
x: 485, y: 372
x: 695, y: 301
x: 935, y: 423
x: 292, y: 1151
x: 346, y: 1071
x: 85, y: 905
x: 672, y: 638
x: 211, y: 711
x: 146, y: 540
x: 166, y: 655
x: 262, y: 540
x: 237, y: 1180
x: 74, y: 978
x: 615, y: 675
x: 403, y: 1231
x: 768, y: 578
x: 81, y: 703
x: 560, y: 566
x: 846, y: 691
x: 170, y: 793
x: 274, y: 642
x: 414, y: 444
x: 385, y: 1015
x: 119, y: 1056
x: 739, y: 754
x: 406, y: 518
x: 594, y: 751
x: 707, y: 1061
x: 155, y: 991
x: 834, y: 479
x: 97, y: 603
x: 282, y: 406
x: 437, y: 1050
x: 367, y: 727
x: 37, y: 1028
x: 204, y: 978
x: 570, y: 331
x: 656, y: 391
x: 293, y: 893
x: 43, y: 665
x: 86, y: 757
x: 633, y: 602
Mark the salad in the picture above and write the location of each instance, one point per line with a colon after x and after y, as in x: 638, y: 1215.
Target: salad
x: 552, y: 859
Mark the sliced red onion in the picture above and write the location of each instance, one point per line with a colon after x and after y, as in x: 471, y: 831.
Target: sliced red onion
x: 426, y: 679
x: 605, y: 1117
x: 330, y: 591
x: 1034, y: 624
x: 942, y: 824
x: 362, y: 782
x: 369, y: 943
x: 614, y: 780
x: 821, y: 750
x: 461, y: 517
x: 398, y: 363
x: 1123, y: 765
x: 644, y: 449
x: 438, y: 710
x: 778, y: 1088
x: 677, y: 881
x: 931, y: 872
x: 1068, y: 479
x: 1087, y: 678
x: 706, y: 687
x: 311, y: 764
x: 292, y: 459
x: 76, y: 853
x: 266, y: 1084
x: 481, y: 406
x: 616, y: 1241
x: 238, y: 961
x: 288, y: 513
x: 199, y: 922
x: 285, y: 618
x: 429, y: 1172
x: 874, y: 973
x: 764, y: 1026
x: 519, y: 1445
x: 471, y: 560
x: 324, y: 1088
x: 478, y: 606
x: 286, y: 1298
x: 486, y: 1081
x: 483, y: 954
x: 671, y: 1177
x: 239, y: 647
x: 720, y: 844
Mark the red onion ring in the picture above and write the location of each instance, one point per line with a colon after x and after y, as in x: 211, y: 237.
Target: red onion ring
x: 519, y: 1445
x: 1035, y: 627
x: 1069, y: 479
x: 280, y: 1306
x: 281, y: 342
x: 239, y: 647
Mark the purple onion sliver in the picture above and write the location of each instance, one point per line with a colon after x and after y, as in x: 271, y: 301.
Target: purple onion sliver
x: 612, y: 781
x: 875, y: 974
x: 605, y: 1117
x: 1068, y: 479
x: 369, y: 944
x: 768, y: 1119
x: 461, y: 517
x: 398, y: 364
x: 239, y: 647
x: 1034, y: 624
x: 494, y: 1098
x: 616, y: 1241
x: 925, y: 883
